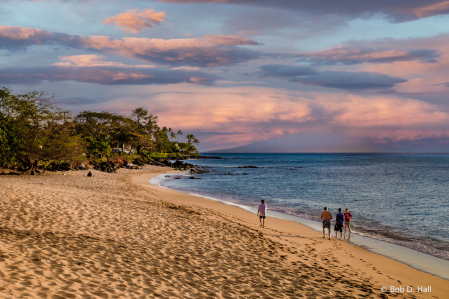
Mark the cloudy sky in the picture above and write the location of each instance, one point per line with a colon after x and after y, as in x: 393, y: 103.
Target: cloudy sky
x: 287, y: 75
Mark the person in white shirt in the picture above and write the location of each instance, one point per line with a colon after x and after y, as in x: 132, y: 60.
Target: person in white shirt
x: 262, y: 213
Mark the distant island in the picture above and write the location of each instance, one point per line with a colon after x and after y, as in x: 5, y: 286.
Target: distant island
x: 335, y: 141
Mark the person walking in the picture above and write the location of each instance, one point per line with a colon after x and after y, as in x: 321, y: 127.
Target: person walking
x: 348, y: 217
x: 262, y: 213
x: 326, y: 216
x: 339, y: 219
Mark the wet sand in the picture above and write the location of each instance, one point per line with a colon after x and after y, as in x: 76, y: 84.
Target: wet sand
x: 118, y: 236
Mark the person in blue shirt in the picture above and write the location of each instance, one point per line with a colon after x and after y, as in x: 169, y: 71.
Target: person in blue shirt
x: 339, y: 220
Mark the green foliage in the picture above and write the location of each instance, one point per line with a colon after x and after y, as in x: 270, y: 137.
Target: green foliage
x: 41, y: 131
x: 100, y: 129
x: 98, y: 146
x: 99, y: 160
x: 145, y: 130
x: 31, y: 128
x: 191, y: 139
x: 158, y: 155
x: 9, y: 141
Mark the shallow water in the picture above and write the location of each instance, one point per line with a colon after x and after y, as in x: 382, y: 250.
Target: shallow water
x: 402, y: 199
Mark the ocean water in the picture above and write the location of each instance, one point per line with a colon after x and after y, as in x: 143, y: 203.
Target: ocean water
x: 398, y: 198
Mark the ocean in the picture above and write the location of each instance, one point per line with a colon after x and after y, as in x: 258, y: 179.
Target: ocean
x: 398, y: 198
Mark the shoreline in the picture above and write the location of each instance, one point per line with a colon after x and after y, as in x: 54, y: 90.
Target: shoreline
x: 282, y: 229
x: 117, y: 236
x: 417, y: 259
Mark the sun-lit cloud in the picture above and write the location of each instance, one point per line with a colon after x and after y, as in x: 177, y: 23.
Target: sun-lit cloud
x: 399, y: 10
x: 388, y: 112
x: 187, y: 68
x: 284, y: 71
x: 94, y: 60
x: 246, y: 72
x: 209, y: 51
x: 230, y: 40
x: 439, y: 8
x: 347, y: 55
x: 242, y: 115
x: 135, y: 21
x: 421, y: 77
x: 103, y: 75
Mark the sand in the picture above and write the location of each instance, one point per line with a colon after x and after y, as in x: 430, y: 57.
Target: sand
x: 117, y: 236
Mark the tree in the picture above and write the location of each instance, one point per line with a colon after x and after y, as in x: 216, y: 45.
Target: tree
x: 9, y: 141
x: 163, y: 140
x: 34, y: 130
x: 191, y: 139
x: 145, y: 120
x: 179, y: 133
x: 100, y: 129
x: 146, y: 128
x: 172, y: 134
x: 60, y: 143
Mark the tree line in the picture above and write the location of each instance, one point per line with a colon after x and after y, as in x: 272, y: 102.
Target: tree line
x: 33, y: 130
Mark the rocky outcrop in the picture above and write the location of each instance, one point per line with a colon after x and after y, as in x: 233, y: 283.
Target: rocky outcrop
x: 108, y: 166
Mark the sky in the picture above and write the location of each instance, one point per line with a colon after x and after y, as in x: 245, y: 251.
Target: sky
x: 278, y: 76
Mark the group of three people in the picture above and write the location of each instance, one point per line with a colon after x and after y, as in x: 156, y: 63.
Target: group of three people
x: 326, y: 216
x: 340, y: 221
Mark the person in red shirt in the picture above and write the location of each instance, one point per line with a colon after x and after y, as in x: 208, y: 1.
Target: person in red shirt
x: 348, y: 217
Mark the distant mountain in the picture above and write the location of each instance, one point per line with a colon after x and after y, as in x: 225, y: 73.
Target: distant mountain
x: 336, y: 142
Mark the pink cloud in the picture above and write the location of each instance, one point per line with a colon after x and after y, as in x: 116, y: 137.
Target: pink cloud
x: 209, y: 51
x: 386, y: 112
x: 241, y: 115
x: 398, y: 10
x: 427, y: 10
x: 108, y: 74
x: 135, y: 21
x: 233, y: 40
x: 93, y: 60
x: 187, y: 68
x: 422, y: 77
x: 22, y: 33
x: 348, y: 55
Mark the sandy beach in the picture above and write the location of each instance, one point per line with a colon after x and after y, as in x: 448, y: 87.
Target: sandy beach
x: 118, y: 236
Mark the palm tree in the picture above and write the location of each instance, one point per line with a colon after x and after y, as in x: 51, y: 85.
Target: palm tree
x: 164, y: 140
x: 172, y: 134
x: 190, y: 138
x: 179, y: 133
